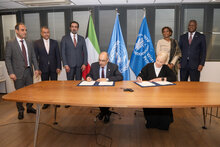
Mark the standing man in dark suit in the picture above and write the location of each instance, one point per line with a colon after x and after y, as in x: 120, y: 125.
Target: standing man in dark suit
x: 48, y: 56
x: 74, y: 53
x: 19, y: 58
x: 103, y: 71
x: 193, y: 47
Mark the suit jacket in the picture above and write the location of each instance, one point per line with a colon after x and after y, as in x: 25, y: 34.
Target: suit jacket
x: 148, y: 73
x: 196, y: 51
x: 14, y: 58
x: 44, y: 59
x: 71, y: 55
x: 112, y: 72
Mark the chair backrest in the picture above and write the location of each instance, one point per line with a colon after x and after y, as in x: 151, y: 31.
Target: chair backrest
x: 2, y: 77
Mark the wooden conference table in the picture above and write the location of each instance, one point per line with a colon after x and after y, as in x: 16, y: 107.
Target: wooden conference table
x: 181, y: 95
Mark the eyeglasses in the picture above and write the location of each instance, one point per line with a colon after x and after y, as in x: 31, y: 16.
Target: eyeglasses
x: 102, y: 60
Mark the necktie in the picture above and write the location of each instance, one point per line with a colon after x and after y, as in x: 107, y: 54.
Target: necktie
x: 74, y: 40
x: 103, y: 75
x: 24, y: 52
x: 190, y: 39
x: 47, y: 46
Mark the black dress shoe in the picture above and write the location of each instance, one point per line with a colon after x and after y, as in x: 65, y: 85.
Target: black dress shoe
x: 100, y: 116
x: 45, y: 106
x: 20, y: 115
x: 31, y: 110
x: 57, y: 106
x: 107, y: 118
x: 67, y: 106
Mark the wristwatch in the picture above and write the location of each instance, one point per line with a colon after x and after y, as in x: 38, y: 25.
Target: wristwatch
x: 162, y: 79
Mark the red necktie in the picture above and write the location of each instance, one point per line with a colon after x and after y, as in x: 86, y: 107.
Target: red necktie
x: 24, y: 52
x: 74, y: 40
x: 103, y: 75
x: 190, y: 39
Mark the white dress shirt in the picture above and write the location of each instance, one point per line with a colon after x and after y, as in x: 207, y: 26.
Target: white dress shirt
x: 26, y: 48
x: 76, y: 37
x: 157, y: 70
x: 47, y: 45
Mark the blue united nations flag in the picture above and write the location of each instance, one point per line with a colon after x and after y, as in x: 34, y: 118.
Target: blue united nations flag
x: 117, y: 50
x: 143, y: 52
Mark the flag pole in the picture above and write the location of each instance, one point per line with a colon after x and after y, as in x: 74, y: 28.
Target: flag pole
x: 144, y: 9
x: 117, y: 11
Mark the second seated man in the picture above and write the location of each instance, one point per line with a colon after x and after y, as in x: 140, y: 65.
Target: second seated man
x: 103, y: 71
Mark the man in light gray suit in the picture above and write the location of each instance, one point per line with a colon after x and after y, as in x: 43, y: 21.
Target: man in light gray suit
x: 74, y: 53
x: 19, y: 58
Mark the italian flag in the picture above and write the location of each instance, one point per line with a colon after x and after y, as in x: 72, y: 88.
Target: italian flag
x: 92, y: 45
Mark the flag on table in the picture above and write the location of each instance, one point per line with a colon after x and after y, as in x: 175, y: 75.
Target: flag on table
x: 92, y: 45
x: 117, y: 51
x: 143, y: 52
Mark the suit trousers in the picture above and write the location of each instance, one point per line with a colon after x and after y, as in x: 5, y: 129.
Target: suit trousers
x: 75, y: 73
x: 160, y: 118
x: 104, y: 110
x: 20, y: 83
x: 186, y: 72
x: 46, y: 76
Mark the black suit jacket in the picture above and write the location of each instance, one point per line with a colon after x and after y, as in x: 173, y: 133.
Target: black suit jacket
x: 196, y: 51
x: 53, y: 58
x: 112, y: 74
x: 148, y: 73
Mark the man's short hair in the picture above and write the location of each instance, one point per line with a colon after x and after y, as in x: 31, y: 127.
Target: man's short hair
x: 18, y: 24
x: 44, y: 27
x: 193, y: 20
x: 74, y: 22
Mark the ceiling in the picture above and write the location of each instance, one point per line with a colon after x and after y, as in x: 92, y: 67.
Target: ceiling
x: 14, y: 4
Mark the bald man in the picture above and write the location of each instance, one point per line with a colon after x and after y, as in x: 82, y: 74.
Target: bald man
x: 103, y: 71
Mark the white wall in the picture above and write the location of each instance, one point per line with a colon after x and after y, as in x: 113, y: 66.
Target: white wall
x: 210, y: 73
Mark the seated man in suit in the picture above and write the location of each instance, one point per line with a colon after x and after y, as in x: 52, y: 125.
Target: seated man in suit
x: 157, y: 117
x: 104, y: 71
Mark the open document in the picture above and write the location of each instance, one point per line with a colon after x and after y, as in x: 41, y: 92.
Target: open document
x: 85, y: 83
x: 106, y: 83
x: 151, y: 84
x: 145, y: 84
x: 164, y: 83
x: 94, y: 83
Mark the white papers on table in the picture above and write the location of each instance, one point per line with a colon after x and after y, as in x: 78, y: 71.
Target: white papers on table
x: 106, y: 83
x: 164, y: 83
x: 85, y: 83
x: 146, y: 84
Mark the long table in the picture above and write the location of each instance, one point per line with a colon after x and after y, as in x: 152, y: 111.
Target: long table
x: 181, y: 95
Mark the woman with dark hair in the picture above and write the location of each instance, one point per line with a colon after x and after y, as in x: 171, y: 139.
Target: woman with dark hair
x: 169, y: 46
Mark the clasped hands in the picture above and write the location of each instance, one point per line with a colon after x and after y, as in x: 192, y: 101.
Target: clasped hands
x: 89, y: 79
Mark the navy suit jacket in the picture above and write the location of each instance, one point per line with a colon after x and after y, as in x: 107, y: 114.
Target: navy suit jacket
x: 112, y: 72
x: 71, y: 55
x: 196, y: 51
x: 44, y: 59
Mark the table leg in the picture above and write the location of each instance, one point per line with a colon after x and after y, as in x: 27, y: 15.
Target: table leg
x: 204, y: 118
x: 37, y: 124
x: 55, y: 116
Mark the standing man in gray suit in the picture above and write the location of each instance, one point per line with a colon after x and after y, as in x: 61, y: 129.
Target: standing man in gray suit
x: 74, y: 53
x: 19, y: 58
